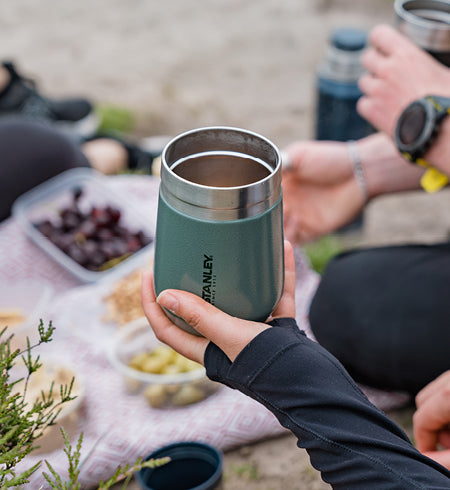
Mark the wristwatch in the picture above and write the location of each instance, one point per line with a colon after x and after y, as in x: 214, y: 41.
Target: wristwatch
x: 416, y: 129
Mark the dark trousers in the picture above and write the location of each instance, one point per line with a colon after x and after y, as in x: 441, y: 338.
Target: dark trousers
x: 31, y: 153
x: 385, y: 314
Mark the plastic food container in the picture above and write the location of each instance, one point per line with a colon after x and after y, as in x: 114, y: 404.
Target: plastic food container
x: 46, y: 200
x: 22, y: 305
x: 159, y: 390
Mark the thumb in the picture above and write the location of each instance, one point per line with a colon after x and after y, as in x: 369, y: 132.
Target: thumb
x: 199, y: 314
x: 229, y: 333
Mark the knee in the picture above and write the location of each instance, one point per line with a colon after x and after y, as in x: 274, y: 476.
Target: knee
x: 31, y: 154
x: 340, y: 307
x: 327, y: 304
x: 47, y: 149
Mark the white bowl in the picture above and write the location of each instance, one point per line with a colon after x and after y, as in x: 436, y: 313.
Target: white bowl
x: 160, y: 390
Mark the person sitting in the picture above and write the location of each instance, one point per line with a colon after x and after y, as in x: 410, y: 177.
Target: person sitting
x: 383, y: 312
x: 40, y: 137
x: 33, y: 152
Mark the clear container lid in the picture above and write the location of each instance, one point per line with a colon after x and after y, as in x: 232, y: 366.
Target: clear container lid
x: 46, y: 201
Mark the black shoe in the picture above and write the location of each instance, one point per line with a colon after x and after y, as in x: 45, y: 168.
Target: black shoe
x: 74, y: 116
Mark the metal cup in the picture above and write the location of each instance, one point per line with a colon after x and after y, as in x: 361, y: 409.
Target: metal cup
x: 427, y: 24
x: 219, y: 231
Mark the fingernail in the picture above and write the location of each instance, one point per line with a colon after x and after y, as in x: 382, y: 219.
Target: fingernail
x: 168, y: 301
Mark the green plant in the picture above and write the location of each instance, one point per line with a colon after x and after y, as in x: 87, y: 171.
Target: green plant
x: 22, y: 422
x: 124, y: 473
x: 322, y: 251
x: 246, y: 470
x: 115, y: 119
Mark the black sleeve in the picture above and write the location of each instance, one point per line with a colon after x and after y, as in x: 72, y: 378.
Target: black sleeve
x: 351, y: 442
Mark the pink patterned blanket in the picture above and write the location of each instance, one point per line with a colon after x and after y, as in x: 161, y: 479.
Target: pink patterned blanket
x: 120, y: 426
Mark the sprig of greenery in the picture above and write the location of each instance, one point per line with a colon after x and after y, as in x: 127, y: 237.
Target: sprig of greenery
x: 122, y: 473
x: 74, y: 466
x: 126, y: 472
x: 21, y: 423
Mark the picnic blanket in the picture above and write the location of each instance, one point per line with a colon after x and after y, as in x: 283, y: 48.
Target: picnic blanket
x: 118, y: 427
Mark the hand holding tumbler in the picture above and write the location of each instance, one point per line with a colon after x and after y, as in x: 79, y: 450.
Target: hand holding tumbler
x: 219, y: 227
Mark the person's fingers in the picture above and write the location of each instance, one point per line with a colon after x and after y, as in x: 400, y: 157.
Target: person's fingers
x: 189, y: 345
x: 442, y: 382
x: 374, y: 62
x: 290, y: 227
x: 369, y: 110
x: 317, y: 162
x: 441, y: 457
x: 369, y: 85
x: 286, y: 306
x: 387, y: 40
x: 297, y: 231
x: 229, y: 333
x: 444, y: 437
x: 429, y: 419
x: 426, y: 440
x: 199, y: 314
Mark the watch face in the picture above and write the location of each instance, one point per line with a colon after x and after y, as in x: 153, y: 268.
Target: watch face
x: 412, y: 123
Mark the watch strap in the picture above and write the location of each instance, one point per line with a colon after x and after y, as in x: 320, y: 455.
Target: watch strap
x: 432, y: 180
x: 441, y: 104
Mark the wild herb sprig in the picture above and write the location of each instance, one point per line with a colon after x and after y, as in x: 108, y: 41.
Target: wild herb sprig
x: 122, y: 473
x: 22, y: 423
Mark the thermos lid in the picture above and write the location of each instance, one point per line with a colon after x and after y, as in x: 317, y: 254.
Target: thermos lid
x: 342, y: 62
x: 348, y: 39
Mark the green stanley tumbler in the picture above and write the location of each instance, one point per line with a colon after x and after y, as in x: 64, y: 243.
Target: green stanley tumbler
x: 219, y: 230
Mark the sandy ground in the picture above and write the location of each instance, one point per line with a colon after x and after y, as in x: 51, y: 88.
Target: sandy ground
x: 185, y: 63
x: 182, y: 64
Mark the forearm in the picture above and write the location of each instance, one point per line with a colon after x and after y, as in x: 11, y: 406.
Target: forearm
x: 349, y: 440
x: 385, y: 170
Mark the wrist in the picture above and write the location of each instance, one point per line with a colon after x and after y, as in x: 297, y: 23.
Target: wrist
x: 385, y: 170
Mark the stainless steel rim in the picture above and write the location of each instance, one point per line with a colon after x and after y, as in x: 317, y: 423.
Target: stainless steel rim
x: 433, y: 35
x: 221, y: 203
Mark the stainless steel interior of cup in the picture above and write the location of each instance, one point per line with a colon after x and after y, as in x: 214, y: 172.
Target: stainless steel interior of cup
x: 221, y: 173
x: 426, y: 22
